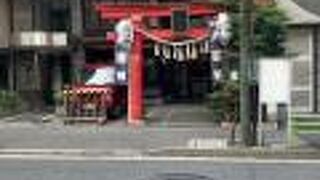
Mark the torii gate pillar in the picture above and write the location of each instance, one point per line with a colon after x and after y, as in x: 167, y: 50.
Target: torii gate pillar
x: 135, y: 72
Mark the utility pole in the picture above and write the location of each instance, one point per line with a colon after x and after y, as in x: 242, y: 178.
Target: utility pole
x: 246, y: 60
x: 78, y: 55
x: 11, y: 64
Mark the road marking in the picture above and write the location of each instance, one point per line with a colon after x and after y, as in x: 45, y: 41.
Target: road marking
x: 46, y: 151
x: 223, y: 160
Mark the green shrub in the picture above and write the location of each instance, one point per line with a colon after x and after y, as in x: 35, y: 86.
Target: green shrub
x: 10, y: 102
x: 224, y: 102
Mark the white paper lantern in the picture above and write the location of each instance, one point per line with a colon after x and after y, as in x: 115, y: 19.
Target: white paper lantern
x: 216, y: 55
x: 217, y: 74
x: 234, y: 75
x: 121, y: 76
x: 121, y: 58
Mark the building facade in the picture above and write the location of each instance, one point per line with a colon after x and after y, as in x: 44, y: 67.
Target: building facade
x: 303, y: 51
x: 34, y: 46
x: 45, y: 43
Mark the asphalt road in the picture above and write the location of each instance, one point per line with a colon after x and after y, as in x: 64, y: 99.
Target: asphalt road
x: 154, y: 170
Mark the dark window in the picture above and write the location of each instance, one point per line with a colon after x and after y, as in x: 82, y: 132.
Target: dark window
x: 59, y: 19
x: 179, y: 20
x: 3, y: 73
x: 196, y: 21
x: 164, y: 22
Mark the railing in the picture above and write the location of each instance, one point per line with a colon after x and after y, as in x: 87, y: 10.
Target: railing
x: 303, y: 124
x: 87, y: 103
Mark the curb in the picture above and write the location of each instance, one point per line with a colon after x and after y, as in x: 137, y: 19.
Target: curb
x: 258, y: 153
x: 243, y: 153
x: 71, y: 152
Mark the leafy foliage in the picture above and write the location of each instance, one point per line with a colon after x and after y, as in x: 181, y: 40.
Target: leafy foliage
x: 269, y: 28
x: 270, y: 31
x: 225, y: 102
x: 10, y: 102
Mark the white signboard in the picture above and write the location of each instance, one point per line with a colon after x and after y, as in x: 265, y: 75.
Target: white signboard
x: 42, y: 39
x: 102, y: 76
x: 59, y: 39
x: 33, y: 39
x: 274, y: 81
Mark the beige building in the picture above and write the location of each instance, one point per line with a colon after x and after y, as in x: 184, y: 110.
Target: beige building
x: 303, y: 50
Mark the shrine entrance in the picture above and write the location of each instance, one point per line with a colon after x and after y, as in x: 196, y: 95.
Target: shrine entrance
x: 176, y: 66
x: 176, y: 82
x: 175, y: 93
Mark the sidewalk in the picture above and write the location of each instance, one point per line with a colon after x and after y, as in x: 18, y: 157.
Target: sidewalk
x: 170, y: 127
x: 49, y: 136
x: 38, y: 139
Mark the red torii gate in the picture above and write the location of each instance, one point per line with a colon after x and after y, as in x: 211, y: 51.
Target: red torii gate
x: 137, y: 12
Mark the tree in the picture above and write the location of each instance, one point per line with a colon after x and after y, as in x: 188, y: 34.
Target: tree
x: 270, y: 31
x: 269, y: 28
x: 225, y: 105
x: 264, y: 36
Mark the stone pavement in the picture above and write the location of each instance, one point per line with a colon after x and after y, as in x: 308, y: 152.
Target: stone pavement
x: 179, y: 115
x: 50, y: 136
x: 26, y: 135
x: 167, y: 126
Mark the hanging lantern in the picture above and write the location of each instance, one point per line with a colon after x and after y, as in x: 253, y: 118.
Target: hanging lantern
x: 216, y: 56
x: 218, y: 74
x: 234, y: 75
x: 157, y: 49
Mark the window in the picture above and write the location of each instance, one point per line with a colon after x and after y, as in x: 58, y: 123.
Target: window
x: 179, y: 20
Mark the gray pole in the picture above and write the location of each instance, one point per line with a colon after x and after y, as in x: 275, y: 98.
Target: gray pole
x: 78, y: 55
x: 11, y: 71
x: 246, y: 57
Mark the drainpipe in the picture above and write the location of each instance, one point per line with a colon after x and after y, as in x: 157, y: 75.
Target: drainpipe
x: 11, y: 71
x: 315, y: 39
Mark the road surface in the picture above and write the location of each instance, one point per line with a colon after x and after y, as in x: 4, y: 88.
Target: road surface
x: 19, y: 169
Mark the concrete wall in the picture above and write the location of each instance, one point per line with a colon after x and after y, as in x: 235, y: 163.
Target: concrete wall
x: 22, y: 15
x: 317, y: 64
x: 300, y: 49
x: 4, y: 24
